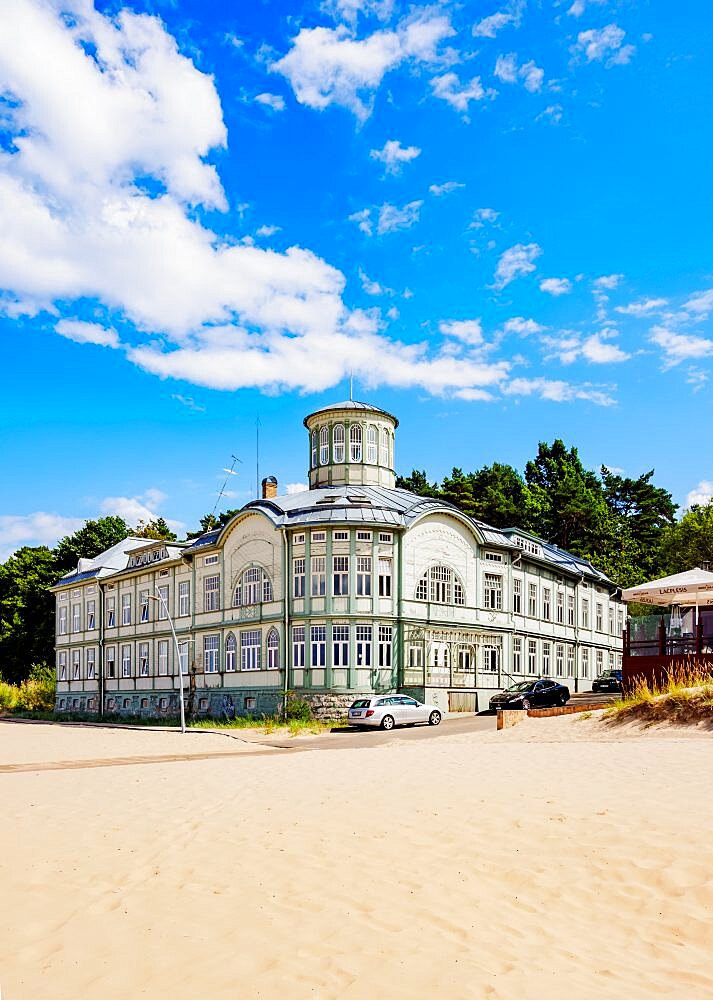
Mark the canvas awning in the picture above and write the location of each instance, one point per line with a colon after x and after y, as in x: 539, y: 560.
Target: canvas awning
x: 694, y: 587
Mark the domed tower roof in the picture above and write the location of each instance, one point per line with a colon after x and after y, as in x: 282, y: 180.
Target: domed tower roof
x: 351, y: 443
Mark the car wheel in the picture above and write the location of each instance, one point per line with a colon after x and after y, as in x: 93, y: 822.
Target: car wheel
x: 525, y: 705
x: 562, y: 700
x: 434, y: 719
x: 387, y: 722
x: 594, y: 688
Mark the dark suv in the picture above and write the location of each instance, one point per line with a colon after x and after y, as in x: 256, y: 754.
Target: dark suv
x: 610, y: 680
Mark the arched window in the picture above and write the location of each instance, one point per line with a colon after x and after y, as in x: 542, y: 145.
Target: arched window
x: 441, y: 586
x: 324, y: 446
x: 371, y: 444
x: 273, y: 650
x: 314, y: 450
x: 230, y: 648
x: 338, y: 444
x: 384, y: 456
x: 355, y: 443
x: 254, y: 586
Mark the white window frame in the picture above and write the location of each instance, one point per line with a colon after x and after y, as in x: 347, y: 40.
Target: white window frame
x: 532, y: 656
x: 110, y: 660
x: 340, y: 645
x: 493, y: 592
x: 532, y: 600
x: 126, y: 661
x: 76, y: 618
x: 355, y: 443
x: 62, y: 666
x: 184, y: 598
x: 364, y: 635
x: 231, y: 650
x: 363, y: 576
x: 516, y: 595
x: 318, y: 646
x: 251, y: 649
x: 298, y: 576
x: 126, y: 609
x: 386, y: 571
x: 298, y: 647
x: 211, y: 654
x: 76, y: 664
x: 144, y: 615
x: 386, y: 639
x: 91, y: 615
x: 211, y: 594
x: 372, y: 445
x: 111, y: 612
x: 340, y: 576
x: 338, y: 444
x: 324, y: 446
x: 547, y: 604
x: 91, y: 663
x: 163, y: 657
x: 273, y: 649
x: 517, y: 654
x: 62, y: 620
x: 384, y: 447
x: 162, y: 603
x: 318, y: 576
x: 144, y: 661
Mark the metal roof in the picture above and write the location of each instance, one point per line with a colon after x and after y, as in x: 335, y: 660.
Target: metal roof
x: 209, y: 538
x: 351, y: 404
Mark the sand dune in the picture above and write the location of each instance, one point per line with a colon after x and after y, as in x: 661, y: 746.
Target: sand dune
x: 545, y: 861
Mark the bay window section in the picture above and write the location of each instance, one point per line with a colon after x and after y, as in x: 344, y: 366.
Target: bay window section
x: 340, y: 576
x: 363, y: 576
x: 318, y: 576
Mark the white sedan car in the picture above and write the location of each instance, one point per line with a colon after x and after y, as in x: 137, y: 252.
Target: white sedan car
x: 387, y: 711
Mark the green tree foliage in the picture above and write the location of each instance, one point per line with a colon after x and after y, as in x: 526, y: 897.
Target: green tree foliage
x: 500, y: 496
x: 26, y: 611
x: 688, y: 542
x: 157, y: 528
x: 418, y: 483
x: 209, y: 522
x: 91, y: 539
x: 644, y: 513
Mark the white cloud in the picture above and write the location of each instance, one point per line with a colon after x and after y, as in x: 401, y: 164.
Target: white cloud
x: 642, y: 308
x: 438, y: 190
x: 552, y: 113
x: 483, y: 215
x: 701, y: 495
x: 449, y: 88
x: 608, y: 281
x: 599, y: 44
x: 597, y: 349
x: 701, y: 303
x: 188, y: 402
x: 579, y: 6
x: 522, y: 327
x: 678, y: 347
x: 489, y: 26
x: 394, y: 155
x: 392, y: 218
x: 468, y: 331
x: 39, y: 528
x: 696, y: 378
x: 292, y: 488
x: 144, y: 508
x: 556, y: 286
x: 557, y: 391
x: 507, y: 70
x: 373, y: 287
x: 267, y: 230
x: 273, y: 101
x: 363, y: 220
x: 515, y: 262
x: 87, y: 333
x: 331, y: 66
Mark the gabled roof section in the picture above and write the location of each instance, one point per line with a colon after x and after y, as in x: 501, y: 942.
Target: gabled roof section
x: 110, y: 561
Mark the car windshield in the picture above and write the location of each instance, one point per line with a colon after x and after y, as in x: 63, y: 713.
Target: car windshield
x: 521, y: 686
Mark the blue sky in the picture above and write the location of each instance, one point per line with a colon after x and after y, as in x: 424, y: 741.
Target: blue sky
x: 497, y: 216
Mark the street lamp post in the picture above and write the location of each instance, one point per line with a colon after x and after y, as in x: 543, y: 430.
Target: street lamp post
x: 163, y: 604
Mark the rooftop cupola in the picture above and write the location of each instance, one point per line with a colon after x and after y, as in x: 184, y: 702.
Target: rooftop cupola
x: 351, y: 444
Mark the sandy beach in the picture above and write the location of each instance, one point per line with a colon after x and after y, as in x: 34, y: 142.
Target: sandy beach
x: 556, y: 859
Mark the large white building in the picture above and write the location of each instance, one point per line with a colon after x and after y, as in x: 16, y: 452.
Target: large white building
x: 352, y: 586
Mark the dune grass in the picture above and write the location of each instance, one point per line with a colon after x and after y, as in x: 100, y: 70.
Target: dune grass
x: 685, y: 698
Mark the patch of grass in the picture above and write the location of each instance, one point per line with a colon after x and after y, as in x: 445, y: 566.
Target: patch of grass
x: 684, y: 698
x: 584, y: 715
x: 36, y: 694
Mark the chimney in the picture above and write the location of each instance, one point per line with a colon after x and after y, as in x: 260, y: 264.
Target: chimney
x: 269, y: 487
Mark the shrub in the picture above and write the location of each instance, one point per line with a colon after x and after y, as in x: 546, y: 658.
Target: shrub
x: 297, y: 709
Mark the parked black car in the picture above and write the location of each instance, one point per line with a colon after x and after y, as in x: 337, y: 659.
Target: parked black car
x: 542, y: 693
x: 609, y: 680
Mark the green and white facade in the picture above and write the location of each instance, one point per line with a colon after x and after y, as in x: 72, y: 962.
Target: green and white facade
x: 352, y: 586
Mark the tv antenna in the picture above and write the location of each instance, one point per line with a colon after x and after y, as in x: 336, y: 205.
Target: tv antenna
x: 228, y: 473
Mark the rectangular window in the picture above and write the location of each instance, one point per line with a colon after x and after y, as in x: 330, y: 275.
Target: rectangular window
x: 144, y: 603
x: 298, y: 539
x: 493, y: 592
x: 570, y: 609
x: 385, y: 537
x: 76, y: 665
x: 298, y: 576
x: 76, y: 617
x: 211, y: 593
x: 91, y: 615
x: 183, y: 658
x: 531, y: 656
x: 363, y: 576
x: 340, y: 645
x: 560, y: 608
x: 363, y: 645
x: 612, y: 621
x: 91, y: 664
x: 532, y: 600
x: 559, y: 659
x: 143, y: 659
x: 250, y: 649
x: 62, y: 621
x: 491, y: 655
x: 341, y: 536
x: 126, y: 609
x: 230, y: 652
x: 110, y: 612
x: 585, y: 663
x: 163, y: 657
x: 547, y: 604
x: 184, y: 598
x: 570, y: 661
x: 319, y: 536
x: 63, y: 666
x: 385, y: 572
x: 546, y: 661
x: 298, y: 646
x: 517, y: 655
x: 210, y: 654
x: 162, y: 603
x: 318, y: 576
x: 611, y: 660
x: 385, y: 641
x: 620, y: 621
x: 585, y: 612
x: 600, y: 617
x: 318, y: 645
x: 126, y: 661
x: 600, y: 661
x: 273, y: 650
x: 111, y: 662
x: 493, y: 557
x: 363, y: 536
x: 517, y: 596
x: 340, y: 576
x: 210, y: 560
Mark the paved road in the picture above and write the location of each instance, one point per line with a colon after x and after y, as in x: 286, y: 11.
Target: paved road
x: 349, y: 738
